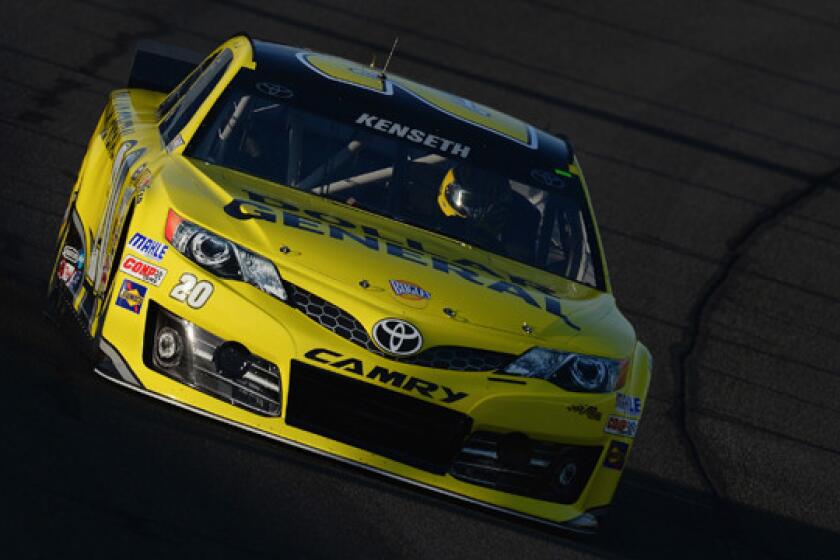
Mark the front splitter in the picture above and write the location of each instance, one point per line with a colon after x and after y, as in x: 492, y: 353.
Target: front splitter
x: 584, y: 524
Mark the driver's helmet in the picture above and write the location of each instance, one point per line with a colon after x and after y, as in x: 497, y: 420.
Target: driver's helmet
x: 467, y: 192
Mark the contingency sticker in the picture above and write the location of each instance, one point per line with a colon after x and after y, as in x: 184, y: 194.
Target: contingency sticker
x: 142, y: 270
x: 147, y: 246
x: 70, y: 254
x: 70, y: 266
x: 631, y: 406
x: 589, y: 411
x: 65, y: 271
x: 616, y: 455
x: 131, y: 296
x: 621, y: 426
x: 141, y: 179
x: 409, y: 290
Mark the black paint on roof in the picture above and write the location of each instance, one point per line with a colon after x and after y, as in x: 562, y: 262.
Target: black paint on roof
x: 343, y: 101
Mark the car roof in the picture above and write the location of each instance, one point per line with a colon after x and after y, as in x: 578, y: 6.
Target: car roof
x: 362, y: 91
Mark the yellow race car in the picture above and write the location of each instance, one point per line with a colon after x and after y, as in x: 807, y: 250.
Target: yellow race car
x: 357, y: 264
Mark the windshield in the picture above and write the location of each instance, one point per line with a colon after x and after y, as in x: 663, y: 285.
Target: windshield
x: 257, y: 127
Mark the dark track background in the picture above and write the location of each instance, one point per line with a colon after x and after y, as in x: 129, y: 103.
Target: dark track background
x: 710, y: 135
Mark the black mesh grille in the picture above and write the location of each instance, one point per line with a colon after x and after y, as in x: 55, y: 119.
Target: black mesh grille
x: 455, y: 358
x: 459, y: 358
x: 333, y: 318
x: 397, y: 426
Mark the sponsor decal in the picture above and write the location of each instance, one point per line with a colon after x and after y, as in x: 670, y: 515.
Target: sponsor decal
x: 590, y: 412
x: 118, y: 120
x: 131, y: 296
x: 141, y: 179
x: 631, y: 406
x: 176, y: 143
x: 616, y: 454
x: 66, y: 271
x: 140, y: 269
x: 273, y: 210
x: 621, y: 426
x: 70, y: 254
x: 414, y: 135
x: 70, y: 266
x: 147, y: 246
x: 409, y: 290
x: 402, y: 381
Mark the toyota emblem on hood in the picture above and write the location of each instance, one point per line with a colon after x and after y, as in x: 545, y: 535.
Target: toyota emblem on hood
x: 397, y: 337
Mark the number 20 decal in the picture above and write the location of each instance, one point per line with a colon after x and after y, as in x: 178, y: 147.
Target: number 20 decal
x: 191, y: 291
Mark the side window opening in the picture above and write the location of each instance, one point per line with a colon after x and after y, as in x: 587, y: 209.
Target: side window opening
x: 182, y: 88
x: 180, y: 105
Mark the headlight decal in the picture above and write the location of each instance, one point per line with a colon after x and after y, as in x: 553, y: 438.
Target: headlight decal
x: 223, y: 257
x: 571, y: 371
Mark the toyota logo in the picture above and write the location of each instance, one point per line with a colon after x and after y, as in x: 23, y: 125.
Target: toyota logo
x: 397, y: 337
x: 547, y: 178
x: 275, y: 90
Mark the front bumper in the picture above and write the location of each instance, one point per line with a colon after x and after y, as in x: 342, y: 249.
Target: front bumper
x: 492, y: 404
x: 116, y: 370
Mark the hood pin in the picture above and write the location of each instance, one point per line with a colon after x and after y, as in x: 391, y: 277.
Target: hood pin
x: 450, y: 312
x: 526, y: 328
x: 364, y: 284
x: 285, y: 249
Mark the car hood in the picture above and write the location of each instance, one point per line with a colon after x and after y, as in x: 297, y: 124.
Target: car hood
x: 376, y: 267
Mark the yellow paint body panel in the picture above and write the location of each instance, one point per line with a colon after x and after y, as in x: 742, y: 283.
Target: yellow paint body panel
x: 469, y: 111
x: 345, y: 71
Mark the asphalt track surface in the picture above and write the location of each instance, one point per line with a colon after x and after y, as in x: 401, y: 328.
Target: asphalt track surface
x: 710, y: 135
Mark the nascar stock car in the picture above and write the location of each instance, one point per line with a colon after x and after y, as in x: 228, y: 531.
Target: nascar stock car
x: 359, y: 265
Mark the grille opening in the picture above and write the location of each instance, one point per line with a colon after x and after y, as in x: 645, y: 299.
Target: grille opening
x: 257, y: 389
x: 403, y: 428
x: 537, y: 469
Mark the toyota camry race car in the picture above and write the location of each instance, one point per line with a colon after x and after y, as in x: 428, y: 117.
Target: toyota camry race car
x: 359, y: 265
